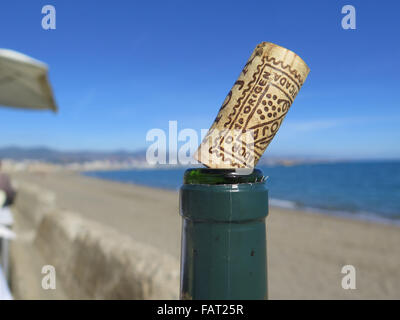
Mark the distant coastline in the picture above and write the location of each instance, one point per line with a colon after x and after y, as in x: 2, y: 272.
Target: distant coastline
x: 47, y: 159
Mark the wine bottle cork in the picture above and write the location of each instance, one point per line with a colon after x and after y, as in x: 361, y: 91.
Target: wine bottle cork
x: 254, y: 109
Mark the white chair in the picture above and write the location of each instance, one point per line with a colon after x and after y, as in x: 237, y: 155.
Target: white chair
x: 3, y: 198
x: 6, y: 221
x: 6, y: 217
x: 5, y: 293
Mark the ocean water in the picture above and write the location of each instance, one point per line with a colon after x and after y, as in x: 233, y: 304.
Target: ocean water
x: 367, y: 190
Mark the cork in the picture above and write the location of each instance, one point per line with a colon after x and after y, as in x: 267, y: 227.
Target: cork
x: 254, y: 109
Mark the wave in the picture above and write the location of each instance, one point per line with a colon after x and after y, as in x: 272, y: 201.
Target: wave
x: 286, y: 204
x: 355, y: 215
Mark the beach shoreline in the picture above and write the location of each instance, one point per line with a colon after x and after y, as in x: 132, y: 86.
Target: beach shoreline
x: 306, y: 251
x: 284, y: 204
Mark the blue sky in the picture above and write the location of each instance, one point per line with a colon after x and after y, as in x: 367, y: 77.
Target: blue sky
x: 121, y: 68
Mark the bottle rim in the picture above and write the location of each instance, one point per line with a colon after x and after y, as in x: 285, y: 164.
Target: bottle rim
x: 221, y: 176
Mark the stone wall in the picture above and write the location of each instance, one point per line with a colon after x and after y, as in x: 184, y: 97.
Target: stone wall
x: 93, y: 261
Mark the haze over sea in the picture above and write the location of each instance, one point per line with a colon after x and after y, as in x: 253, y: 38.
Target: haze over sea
x: 366, y: 190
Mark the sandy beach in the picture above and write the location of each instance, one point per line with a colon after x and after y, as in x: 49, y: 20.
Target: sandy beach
x: 306, y: 251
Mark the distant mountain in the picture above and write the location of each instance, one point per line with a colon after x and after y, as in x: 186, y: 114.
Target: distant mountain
x: 64, y: 157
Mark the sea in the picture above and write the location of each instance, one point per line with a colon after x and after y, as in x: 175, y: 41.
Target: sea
x: 360, y: 190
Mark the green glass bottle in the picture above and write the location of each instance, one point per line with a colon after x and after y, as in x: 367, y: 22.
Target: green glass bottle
x: 223, y: 235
